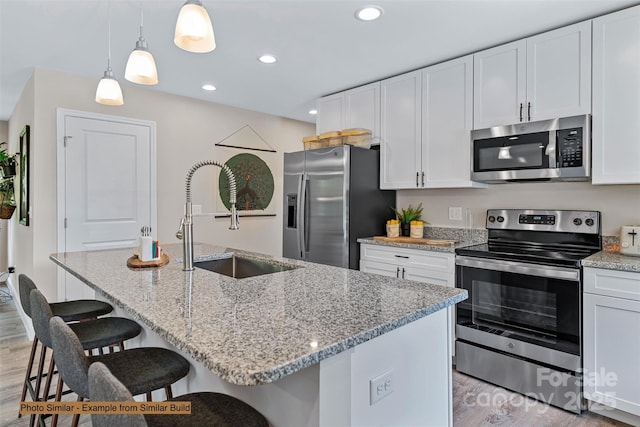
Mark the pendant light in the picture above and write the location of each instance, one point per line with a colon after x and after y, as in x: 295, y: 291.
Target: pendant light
x: 109, y: 92
x: 141, y: 67
x: 194, y: 32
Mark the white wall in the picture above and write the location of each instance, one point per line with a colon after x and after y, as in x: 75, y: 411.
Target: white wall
x: 4, y: 224
x: 619, y: 204
x: 187, y: 130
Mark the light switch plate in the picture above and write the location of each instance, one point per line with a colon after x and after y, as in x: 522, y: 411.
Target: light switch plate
x: 455, y: 214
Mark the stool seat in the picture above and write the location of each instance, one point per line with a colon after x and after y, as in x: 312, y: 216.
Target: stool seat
x: 143, y: 369
x: 207, y: 408
x: 210, y: 409
x: 71, y: 311
x: 105, y: 331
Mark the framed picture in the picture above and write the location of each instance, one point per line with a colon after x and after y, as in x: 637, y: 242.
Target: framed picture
x: 24, y: 176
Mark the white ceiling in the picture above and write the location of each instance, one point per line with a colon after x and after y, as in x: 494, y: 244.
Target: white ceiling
x: 321, y: 47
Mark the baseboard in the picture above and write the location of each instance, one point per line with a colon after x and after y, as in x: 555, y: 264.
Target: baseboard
x: 26, y: 321
x: 613, y: 413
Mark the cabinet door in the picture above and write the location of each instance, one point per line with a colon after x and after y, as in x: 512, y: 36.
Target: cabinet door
x: 616, y: 98
x: 381, y: 268
x: 499, y: 85
x: 559, y: 73
x: 362, y: 109
x: 400, y: 131
x: 330, y: 113
x: 447, y: 119
x: 612, y: 352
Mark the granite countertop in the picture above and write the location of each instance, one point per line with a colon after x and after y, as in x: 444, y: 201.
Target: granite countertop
x: 257, y: 330
x: 423, y: 247
x: 612, y: 261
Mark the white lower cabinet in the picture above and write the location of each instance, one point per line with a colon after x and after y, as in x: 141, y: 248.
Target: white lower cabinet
x: 611, y: 324
x: 437, y: 268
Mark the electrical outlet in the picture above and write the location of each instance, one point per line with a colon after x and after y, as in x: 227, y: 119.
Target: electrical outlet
x: 380, y: 386
x: 455, y: 214
x: 196, y: 209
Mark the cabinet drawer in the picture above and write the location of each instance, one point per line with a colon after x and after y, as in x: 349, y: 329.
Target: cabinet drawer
x: 621, y: 284
x: 437, y: 261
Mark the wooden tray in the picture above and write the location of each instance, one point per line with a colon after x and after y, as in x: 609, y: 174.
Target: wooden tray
x: 435, y: 242
x: 134, y: 262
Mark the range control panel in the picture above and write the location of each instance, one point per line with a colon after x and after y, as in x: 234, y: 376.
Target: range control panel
x: 544, y: 220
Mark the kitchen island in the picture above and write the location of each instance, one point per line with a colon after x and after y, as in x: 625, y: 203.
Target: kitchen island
x: 312, y: 346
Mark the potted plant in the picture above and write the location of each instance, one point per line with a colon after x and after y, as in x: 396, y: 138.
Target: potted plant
x: 7, y: 162
x: 7, y: 203
x: 405, y: 216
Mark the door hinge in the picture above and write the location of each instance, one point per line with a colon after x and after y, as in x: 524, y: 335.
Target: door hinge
x: 66, y: 138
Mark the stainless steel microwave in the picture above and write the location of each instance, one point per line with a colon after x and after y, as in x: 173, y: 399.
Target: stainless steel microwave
x: 547, y: 150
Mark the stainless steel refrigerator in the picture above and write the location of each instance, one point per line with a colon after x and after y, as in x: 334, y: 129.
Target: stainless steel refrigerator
x: 331, y: 198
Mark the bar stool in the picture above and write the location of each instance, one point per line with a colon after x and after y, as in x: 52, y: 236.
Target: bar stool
x: 69, y: 311
x: 92, y: 334
x: 141, y: 370
x: 207, y: 409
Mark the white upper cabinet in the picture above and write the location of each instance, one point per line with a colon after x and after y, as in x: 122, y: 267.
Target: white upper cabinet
x: 542, y: 77
x: 400, y: 131
x: 354, y: 108
x: 499, y: 85
x: 616, y: 98
x: 363, y: 109
x: 447, y: 118
x: 330, y: 113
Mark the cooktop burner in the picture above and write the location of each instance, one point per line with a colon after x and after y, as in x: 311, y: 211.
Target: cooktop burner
x: 548, y: 237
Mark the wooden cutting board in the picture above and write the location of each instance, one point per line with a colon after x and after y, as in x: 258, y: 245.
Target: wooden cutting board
x: 436, y: 242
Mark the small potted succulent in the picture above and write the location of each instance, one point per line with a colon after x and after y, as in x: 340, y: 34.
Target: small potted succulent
x: 405, y: 216
x: 7, y: 203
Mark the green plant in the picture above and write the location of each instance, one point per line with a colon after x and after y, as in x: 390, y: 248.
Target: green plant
x: 409, y: 214
x: 5, y: 158
x: 6, y: 192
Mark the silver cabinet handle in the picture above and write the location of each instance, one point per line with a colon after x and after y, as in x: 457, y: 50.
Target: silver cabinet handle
x: 521, y: 111
x: 403, y: 272
x: 528, y: 111
x: 401, y: 256
x: 423, y: 178
x: 417, y: 178
x: 398, y: 272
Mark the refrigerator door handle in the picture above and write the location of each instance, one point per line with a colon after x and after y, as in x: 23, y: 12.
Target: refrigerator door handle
x: 300, y: 219
x: 306, y: 213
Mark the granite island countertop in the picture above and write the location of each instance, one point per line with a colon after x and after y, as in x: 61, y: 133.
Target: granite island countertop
x: 257, y: 330
x: 612, y: 261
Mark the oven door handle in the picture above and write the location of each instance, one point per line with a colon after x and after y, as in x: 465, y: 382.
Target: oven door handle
x: 553, y: 272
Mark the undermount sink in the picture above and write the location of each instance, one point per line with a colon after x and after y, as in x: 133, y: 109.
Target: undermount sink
x: 240, y: 268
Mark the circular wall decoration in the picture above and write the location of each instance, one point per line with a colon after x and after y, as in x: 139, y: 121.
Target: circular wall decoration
x: 254, y: 182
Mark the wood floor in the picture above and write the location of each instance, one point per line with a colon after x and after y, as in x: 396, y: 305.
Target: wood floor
x: 475, y: 403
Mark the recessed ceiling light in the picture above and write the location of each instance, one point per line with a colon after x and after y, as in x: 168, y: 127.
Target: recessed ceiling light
x: 208, y: 87
x: 369, y: 13
x: 313, y: 112
x: 268, y: 59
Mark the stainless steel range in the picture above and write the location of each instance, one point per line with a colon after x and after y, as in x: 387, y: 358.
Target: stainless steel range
x: 521, y: 327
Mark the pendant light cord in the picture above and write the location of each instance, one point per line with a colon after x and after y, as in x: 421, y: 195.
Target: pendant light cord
x: 141, y: 18
x: 109, y: 37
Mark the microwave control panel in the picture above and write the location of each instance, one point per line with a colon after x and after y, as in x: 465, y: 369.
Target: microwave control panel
x: 569, y: 147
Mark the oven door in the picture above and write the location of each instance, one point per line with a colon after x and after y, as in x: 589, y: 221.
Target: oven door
x: 529, y: 310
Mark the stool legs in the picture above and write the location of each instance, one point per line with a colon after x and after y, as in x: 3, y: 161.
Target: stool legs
x: 27, y: 377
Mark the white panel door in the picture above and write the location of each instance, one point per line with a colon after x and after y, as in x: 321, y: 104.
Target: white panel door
x: 363, y: 109
x: 400, y: 131
x: 447, y: 119
x: 330, y: 113
x: 559, y: 73
x: 109, y: 186
x: 499, y: 85
x: 616, y: 98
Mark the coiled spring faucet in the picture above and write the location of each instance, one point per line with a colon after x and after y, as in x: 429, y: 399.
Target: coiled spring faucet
x: 185, y: 232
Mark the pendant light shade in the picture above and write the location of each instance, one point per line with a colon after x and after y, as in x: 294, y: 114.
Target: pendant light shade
x: 194, y: 32
x: 141, y: 67
x: 109, y: 92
